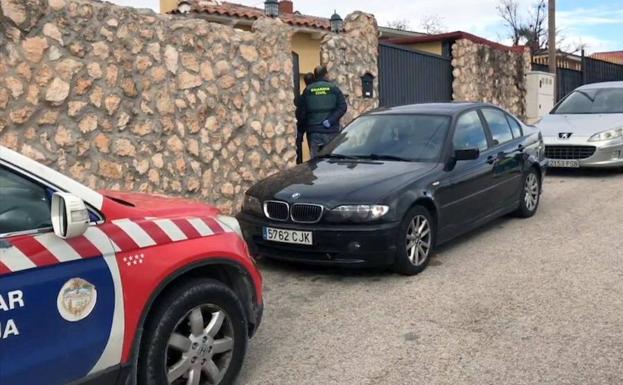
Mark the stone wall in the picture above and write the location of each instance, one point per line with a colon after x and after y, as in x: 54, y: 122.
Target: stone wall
x: 126, y: 99
x: 350, y: 55
x: 120, y: 98
x: 490, y: 74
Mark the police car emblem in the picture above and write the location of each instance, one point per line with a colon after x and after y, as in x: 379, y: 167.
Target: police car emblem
x: 76, y: 300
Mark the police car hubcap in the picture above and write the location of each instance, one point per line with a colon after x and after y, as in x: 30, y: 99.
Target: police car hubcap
x: 200, y: 347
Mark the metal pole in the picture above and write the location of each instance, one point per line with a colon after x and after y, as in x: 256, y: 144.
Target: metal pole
x: 551, y: 18
x: 583, y: 67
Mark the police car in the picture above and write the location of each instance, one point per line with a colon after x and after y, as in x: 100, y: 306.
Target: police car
x: 118, y: 288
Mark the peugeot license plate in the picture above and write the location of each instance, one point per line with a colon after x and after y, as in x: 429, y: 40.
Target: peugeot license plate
x: 288, y: 236
x: 564, y: 163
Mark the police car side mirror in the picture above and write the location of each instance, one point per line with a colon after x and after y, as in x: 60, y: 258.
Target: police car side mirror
x: 70, y: 217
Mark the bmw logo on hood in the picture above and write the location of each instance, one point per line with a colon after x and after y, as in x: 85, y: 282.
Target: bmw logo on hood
x: 296, y: 195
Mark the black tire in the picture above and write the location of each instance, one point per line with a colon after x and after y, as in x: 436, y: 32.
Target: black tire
x: 404, y: 262
x: 173, y: 313
x: 530, y: 194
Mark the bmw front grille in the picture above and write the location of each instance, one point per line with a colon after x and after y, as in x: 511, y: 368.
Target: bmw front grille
x: 276, y: 210
x: 298, y: 212
x: 306, y: 213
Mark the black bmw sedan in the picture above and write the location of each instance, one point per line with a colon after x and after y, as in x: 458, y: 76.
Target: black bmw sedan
x: 395, y: 184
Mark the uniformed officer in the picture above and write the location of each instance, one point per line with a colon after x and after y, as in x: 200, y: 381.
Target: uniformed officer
x: 309, y: 79
x: 321, y: 108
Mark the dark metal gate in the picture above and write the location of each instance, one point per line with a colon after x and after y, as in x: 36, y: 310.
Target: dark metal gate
x: 296, y: 75
x: 601, y: 71
x: 407, y: 76
x: 593, y: 71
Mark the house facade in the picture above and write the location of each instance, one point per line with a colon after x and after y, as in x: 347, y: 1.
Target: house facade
x: 615, y: 57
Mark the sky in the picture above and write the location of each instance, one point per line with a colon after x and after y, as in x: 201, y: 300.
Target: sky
x: 595, y: 24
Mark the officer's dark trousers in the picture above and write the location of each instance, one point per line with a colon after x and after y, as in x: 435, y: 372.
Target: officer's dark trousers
x: 317, y: 141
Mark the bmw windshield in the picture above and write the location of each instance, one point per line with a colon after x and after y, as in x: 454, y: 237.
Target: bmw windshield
x: 413, y: 137
x: 593, y: 101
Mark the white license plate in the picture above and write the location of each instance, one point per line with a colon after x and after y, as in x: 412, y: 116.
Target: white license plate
x: 564, y: 163
x: 288, y: 236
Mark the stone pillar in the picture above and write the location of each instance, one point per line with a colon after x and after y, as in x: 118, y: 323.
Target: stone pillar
x: 350, y: 55
x: 490, y: 74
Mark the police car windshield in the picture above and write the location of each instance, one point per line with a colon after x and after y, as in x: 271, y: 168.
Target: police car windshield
x: 593, y: 101
x: 413, y: 137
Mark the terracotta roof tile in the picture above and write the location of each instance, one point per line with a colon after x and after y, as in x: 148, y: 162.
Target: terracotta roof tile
x: 251, y: 13
x: 457, y: 35
x: 613, y: 57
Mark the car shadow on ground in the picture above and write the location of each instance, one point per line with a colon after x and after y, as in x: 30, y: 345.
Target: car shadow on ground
x: 584, y: 172
x: 338, y: 273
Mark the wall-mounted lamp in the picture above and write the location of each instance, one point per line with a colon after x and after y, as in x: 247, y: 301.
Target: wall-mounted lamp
x: 337, y: 24
x: 271, y: 8
x: 184, y: 6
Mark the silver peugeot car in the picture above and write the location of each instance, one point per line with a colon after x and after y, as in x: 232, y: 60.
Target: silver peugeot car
x: 586, y: 128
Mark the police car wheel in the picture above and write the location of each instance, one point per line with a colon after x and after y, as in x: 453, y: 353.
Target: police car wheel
x: 197, y: 335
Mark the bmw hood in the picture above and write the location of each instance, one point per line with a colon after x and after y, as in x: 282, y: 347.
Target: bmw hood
x: 578, y: 125
x: 333, y: 182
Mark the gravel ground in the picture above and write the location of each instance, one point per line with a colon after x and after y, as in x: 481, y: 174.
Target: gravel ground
x: 537, y: 301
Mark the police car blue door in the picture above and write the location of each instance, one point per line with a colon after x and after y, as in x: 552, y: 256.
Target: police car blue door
x: 57, y: 297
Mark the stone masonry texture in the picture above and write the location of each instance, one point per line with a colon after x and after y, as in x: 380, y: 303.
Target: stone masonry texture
x: 492, y: 75
x: 126, y: 99
x: 350, y: 55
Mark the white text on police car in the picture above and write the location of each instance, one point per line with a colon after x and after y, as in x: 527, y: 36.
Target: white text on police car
x: 10, y: 301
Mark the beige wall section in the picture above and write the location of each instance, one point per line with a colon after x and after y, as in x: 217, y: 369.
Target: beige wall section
x: 308, y: 49
x: 431, y: 47
x: 167, y: 5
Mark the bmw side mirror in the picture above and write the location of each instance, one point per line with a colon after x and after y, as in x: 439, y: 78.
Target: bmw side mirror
x: 70, y: 217
x: 468, y: 154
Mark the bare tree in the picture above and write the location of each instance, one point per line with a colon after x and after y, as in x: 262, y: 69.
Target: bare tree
x: 529, y: 29
x: 535, y: 32
x: 432, y: 24
x: 509, y: 11
x: 401, y: 24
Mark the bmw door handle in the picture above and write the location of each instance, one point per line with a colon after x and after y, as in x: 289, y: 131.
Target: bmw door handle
x: 491, y: 159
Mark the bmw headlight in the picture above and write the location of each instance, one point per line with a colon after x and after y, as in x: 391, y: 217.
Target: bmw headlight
x: 607, y: 135
x: 357, y: 213
x: 252, y: 205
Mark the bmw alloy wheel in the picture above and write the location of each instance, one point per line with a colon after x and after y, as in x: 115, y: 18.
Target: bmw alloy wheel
x: 419, y: 240
x: 200, y: 348
x: 531, y: 189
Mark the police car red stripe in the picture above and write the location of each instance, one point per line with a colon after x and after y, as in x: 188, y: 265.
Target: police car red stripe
x: 187, y: 228
x: 27, y: 252
x: 214, y: 225
x: 155, y: 232
x: 119, y: 237
x: 84, y: 247
x: 4, y: 269
x: 38, y: 254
